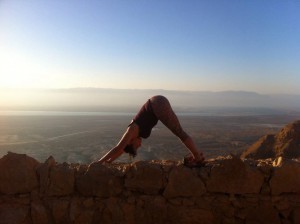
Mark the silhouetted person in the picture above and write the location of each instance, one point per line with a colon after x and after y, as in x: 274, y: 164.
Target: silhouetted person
x: 156, y: 108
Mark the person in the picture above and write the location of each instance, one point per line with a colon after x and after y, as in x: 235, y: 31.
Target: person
x: 155, y: 109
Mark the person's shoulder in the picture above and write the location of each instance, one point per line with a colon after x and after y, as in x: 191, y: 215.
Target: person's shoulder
x: 133, y: 127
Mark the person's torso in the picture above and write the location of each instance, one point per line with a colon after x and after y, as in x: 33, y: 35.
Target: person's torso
x: 146, y: 120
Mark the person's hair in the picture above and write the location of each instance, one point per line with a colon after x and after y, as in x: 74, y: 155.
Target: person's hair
x: 130, y: 150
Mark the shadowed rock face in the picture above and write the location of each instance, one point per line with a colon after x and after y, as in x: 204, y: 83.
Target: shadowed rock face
x: 286, y: 144
x: 17, y: 174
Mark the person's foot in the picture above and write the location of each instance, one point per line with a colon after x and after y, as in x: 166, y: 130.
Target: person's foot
x: 191, y: 162
x: 200, y: 158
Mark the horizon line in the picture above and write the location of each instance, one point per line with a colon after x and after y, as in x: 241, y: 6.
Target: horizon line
x: 137, y: 89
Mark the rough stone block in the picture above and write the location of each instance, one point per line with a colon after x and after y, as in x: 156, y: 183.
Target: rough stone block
x: 263, y: 214
x: 151, y: 209
x: 43, y: 172
x: 14, y: 213
x: 145, y: 177
x: 18, y: 174
x: 286, y: 179
x: 296, y: 215
x: 60, y: 210
x: 235, y: 177
x: 100, y: 180
x: 39, y: 213
x: 181, y: 215
x: 182, y: 182
x: 61, y: 180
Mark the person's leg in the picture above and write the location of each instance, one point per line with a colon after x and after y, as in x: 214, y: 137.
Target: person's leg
x: 164, y: 112
x: 189, y: 143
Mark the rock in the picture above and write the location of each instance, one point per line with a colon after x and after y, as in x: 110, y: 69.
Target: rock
x: 14, y: 213
x: 129, y: 213
x: 39, y: 213
x: 235, y: 177
x: 263, y: 214
x: 110, y: 213
x: 85, y: 216
x: 18, y: 174
x: 60, y: 210
x: 286, y: 178
x: 222, y: 206
x: 183, y: 183
x: 226, y: 190
x: 100, y: 180
x: 282, y: 205
x: 296, y: 215
x: 75, y: 208
x: 204, y: 203
x: 181, y: 215
x: 145, y: 177
x: 262, y: 149
x: 61, y: 180
x: 153, y: 210
x: 286, y: 143
x: 43, y: 172
x: 79, y: 214
x: 88, y: 203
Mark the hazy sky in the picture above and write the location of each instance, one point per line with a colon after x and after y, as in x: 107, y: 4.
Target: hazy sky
x: 165, y: 44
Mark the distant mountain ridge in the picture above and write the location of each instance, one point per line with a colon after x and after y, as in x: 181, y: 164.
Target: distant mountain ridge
x: 91, y: 97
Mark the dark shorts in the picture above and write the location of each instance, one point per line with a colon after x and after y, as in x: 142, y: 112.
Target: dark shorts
x: 164, y: 112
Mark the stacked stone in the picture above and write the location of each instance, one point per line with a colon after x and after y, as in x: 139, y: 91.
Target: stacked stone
x: 226, y: 190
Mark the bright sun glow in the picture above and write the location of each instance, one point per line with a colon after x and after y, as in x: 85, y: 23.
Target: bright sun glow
x: 18, y: 70
x: 22, y: 70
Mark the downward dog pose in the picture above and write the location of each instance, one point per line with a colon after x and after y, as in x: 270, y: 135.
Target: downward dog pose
x: 156, y: 108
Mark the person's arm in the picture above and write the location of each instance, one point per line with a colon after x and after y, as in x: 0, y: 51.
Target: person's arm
x: 113, y: 154
x: 118, y: 150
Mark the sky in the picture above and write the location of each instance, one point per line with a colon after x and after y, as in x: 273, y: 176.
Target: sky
x: 202, y: 45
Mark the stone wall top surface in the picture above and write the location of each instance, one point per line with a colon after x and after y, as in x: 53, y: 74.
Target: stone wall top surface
x: 171, y: 179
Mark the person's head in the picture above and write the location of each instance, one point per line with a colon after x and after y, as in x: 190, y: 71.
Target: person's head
x: 131, y: 148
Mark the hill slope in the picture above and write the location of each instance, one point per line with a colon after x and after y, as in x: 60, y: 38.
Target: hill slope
x: 286, y: 143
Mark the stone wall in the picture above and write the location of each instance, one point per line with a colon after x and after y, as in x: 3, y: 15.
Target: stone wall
x: 226, y: 190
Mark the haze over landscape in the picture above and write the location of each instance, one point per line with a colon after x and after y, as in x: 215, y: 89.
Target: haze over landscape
x: 99, y: 99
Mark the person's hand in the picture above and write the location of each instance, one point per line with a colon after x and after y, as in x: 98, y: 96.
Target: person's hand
x: 95, y: 163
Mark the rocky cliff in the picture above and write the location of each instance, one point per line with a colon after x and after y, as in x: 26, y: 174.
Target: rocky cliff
x: 286, y: 144
x: 226, y: 190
